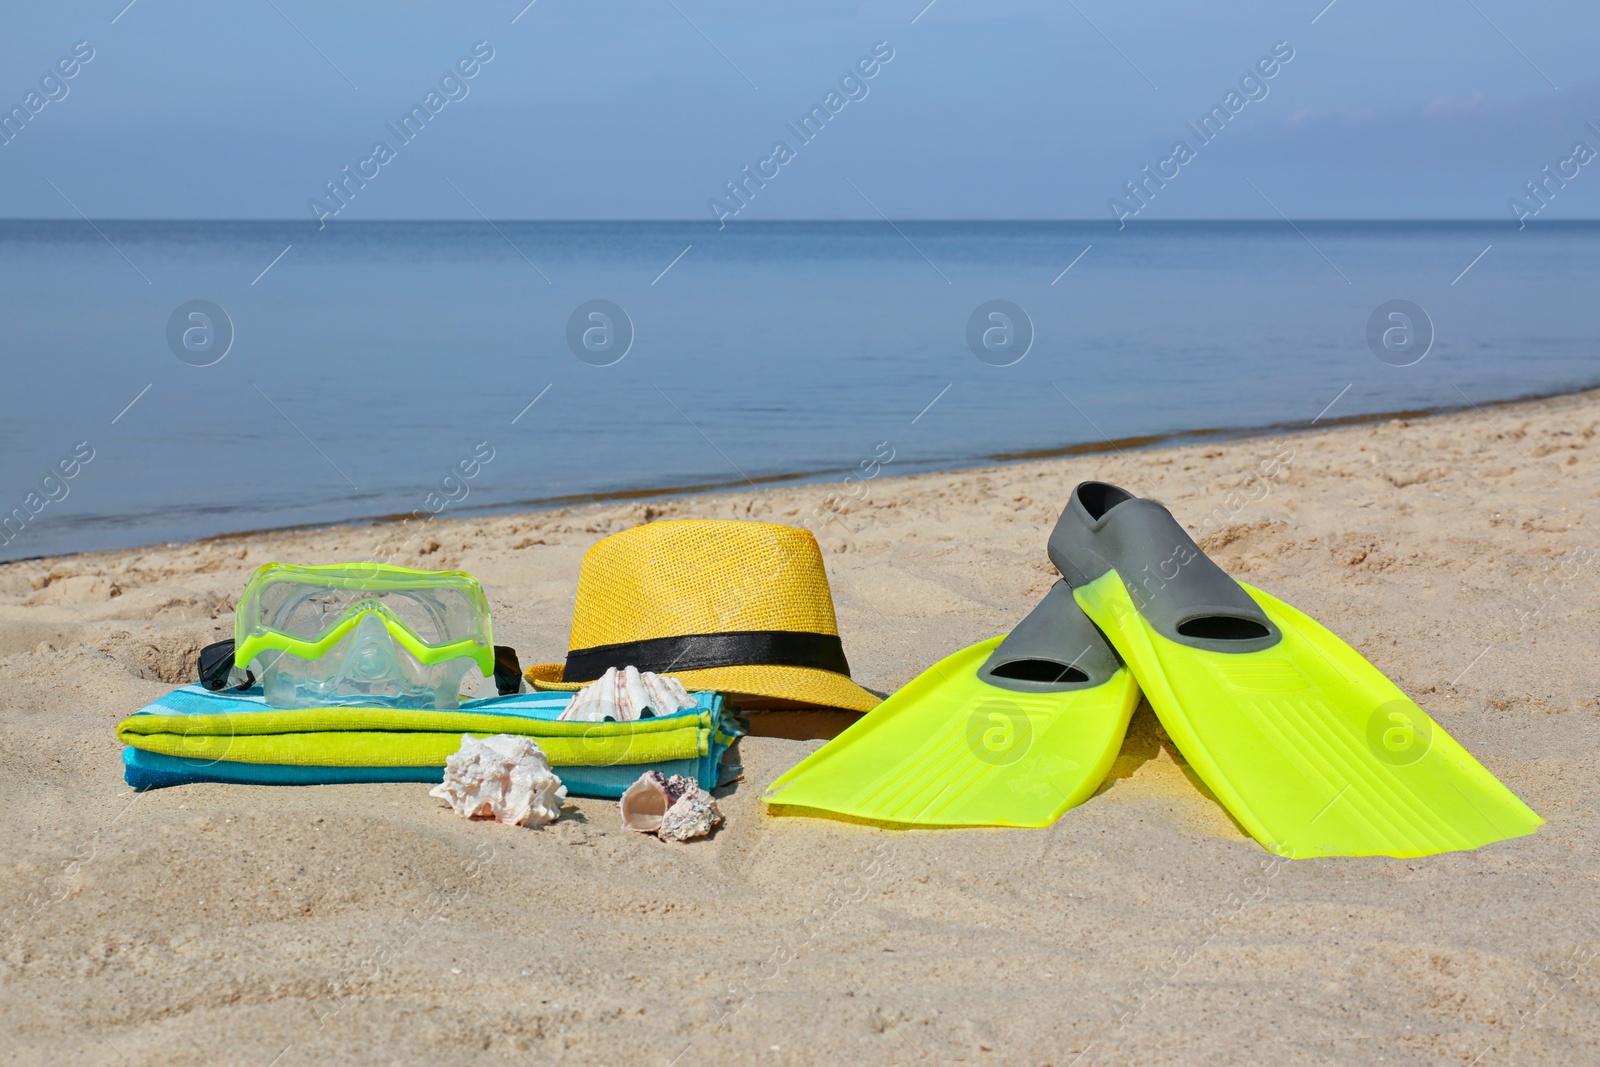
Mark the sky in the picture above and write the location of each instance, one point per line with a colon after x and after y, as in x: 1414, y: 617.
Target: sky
x: 644, y: 109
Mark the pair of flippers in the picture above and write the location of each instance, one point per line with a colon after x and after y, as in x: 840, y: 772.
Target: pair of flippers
x: 1310, y: 747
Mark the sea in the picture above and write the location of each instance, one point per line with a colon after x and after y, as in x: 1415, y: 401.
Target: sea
x: 167, y: 381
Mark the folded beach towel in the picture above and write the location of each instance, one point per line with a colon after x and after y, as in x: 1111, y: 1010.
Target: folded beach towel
x: 150, y: 770
x: 194, y: 735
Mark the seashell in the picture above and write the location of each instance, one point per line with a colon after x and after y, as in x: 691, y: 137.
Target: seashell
x: 504, y: 777
x: 692, y: 815
x: 674, y: 809
x: 627, y: 695
x: 644, y: 803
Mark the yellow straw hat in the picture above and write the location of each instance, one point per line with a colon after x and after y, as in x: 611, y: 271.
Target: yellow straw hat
x: 739, y: 607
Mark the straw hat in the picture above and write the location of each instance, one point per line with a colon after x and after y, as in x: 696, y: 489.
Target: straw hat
x: 739, y: 607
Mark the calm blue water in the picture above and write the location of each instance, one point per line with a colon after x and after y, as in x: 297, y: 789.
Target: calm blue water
x: 373, y: 357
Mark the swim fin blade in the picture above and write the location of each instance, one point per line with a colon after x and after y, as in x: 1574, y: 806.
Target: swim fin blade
x: 1012, y: 731
x: 1308, y: 745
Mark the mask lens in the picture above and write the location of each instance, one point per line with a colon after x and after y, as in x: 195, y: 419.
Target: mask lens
x: 363, y: 633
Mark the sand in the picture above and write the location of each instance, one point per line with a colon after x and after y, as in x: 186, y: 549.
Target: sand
x: 366, y: 924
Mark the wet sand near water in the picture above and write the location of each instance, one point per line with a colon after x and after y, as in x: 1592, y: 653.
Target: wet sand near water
x: 366, y: 924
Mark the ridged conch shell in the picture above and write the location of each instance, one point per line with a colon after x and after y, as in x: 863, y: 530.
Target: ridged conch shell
x: 626, y: 695
x: 504, y: 777
x: 674, y: 809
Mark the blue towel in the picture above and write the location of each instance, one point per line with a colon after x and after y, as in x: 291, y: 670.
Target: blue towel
x: 152, y: 770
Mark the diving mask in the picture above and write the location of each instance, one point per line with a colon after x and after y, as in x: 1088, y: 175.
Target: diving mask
x: 365, y: 634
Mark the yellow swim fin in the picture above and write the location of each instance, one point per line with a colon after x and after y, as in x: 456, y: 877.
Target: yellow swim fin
x: 1010, y: 732
x: 1307, y: 744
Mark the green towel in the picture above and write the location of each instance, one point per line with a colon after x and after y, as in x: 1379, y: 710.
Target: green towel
x: 384, y: 737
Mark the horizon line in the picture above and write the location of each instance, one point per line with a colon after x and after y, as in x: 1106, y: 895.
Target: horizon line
x: 767, y: 222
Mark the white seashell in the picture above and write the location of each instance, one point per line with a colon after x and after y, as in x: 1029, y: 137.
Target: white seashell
x: 675, y: 809
x: 627, y: 695
x: 503, y: 777
x: 633, y: 700
x: 667, y: 694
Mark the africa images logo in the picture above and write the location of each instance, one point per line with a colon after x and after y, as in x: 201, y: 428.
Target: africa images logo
x: 452, y: 87
x: 852, y: 87
x: 53, y: 89
x: 1252, y: 87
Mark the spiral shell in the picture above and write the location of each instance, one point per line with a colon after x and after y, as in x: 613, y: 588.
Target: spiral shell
x: 504, y: 777
x: 674, y: 809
